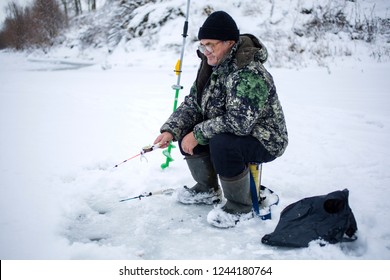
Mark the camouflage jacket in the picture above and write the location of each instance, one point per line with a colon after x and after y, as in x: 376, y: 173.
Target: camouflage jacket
x: 238, y: 96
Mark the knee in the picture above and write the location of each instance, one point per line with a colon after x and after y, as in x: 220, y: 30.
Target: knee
x: 219, y: 144
x: 226, y: 156
x: 214, y: 142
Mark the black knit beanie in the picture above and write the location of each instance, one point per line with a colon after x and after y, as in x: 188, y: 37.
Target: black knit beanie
x: 219, y: 26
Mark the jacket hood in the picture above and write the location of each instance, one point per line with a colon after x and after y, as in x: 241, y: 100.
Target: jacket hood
x: 250, y: 48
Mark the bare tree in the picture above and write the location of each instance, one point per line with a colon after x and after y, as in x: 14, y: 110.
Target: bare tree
x: 77, y: 6
x: 92, y: 5
x: 48, y: 19
x: 65, y: 6
x: 15, y: 30
x: 36, y: 25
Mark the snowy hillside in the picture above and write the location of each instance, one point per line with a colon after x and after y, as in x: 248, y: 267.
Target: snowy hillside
x: 297, y: 33
x: 69, y: 115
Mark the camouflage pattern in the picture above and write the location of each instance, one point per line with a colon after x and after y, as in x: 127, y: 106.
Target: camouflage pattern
x: 238, y: 96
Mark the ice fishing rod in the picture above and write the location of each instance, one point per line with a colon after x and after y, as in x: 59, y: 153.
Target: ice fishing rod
x: 144, y: 150
x: 147, y: 194
x: 177, y: 87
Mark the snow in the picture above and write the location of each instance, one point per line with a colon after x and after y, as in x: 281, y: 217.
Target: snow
x: 64, y: 130
x: 68, y: 117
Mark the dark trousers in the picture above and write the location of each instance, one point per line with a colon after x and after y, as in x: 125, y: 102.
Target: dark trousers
x: 230, y: 154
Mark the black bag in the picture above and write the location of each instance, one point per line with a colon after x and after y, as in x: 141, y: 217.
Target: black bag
x: 327, y: 217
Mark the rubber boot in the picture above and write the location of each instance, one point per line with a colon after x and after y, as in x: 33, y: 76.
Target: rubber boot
x: 237, y: 193
x: 206, y: 190
x: 238, y: 206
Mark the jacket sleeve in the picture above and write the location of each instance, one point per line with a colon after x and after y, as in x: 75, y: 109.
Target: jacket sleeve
x: 246, y: 94
x: 183, y: 119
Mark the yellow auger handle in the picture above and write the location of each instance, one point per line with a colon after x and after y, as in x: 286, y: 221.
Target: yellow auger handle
x: 178, y: 67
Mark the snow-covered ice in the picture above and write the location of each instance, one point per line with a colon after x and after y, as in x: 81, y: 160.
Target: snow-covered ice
x: 64, y: 126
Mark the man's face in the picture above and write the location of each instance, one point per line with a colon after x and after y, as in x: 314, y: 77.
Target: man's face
x: 215, y: 50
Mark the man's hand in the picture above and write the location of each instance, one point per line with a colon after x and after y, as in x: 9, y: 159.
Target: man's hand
x: 163, y: 139
x: 189, y: 143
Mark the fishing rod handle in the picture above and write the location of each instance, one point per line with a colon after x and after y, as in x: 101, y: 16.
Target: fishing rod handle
x: 150, y: 148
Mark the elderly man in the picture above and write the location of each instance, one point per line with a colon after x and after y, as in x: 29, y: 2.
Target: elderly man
x: 231, y: 117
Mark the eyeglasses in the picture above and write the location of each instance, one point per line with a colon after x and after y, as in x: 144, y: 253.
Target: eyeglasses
x: 208, y: 47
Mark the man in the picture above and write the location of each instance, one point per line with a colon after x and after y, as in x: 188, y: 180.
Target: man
x: 232, y: 117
